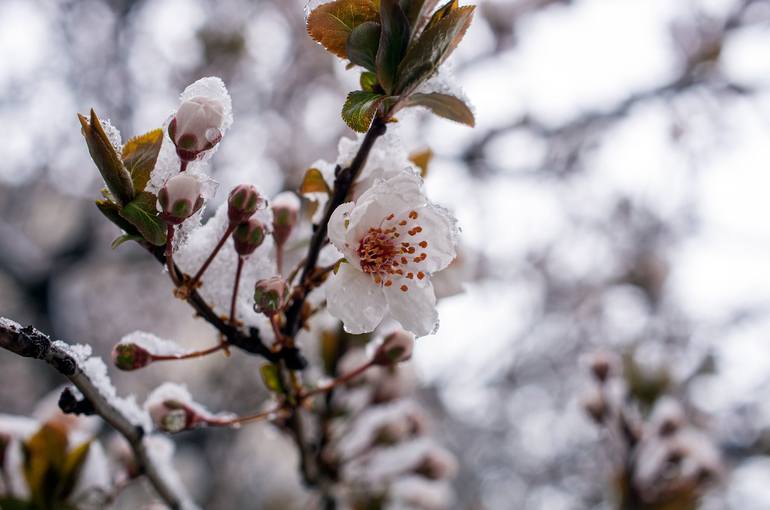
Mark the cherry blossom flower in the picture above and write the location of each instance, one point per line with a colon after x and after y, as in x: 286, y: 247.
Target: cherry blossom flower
x: 393, y: 239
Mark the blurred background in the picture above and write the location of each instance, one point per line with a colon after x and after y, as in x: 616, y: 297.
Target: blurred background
x: 612, y: 197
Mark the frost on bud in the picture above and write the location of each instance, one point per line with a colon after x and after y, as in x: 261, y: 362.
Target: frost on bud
x: 172, y: 416
x: 248, y: 236
x: 285, y: 208
x: 196, y: 127
x: 180, y: 198
x: 270, y: 295
x: 396, y: 347
x: 130, y: 356
x: 243, y: 202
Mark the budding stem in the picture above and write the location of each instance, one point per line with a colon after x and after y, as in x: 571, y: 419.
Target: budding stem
x: 170, y: 253
x: 264, y: 415
x: 194, y: 282
x: 189, y: 355
x: 279, y: 258
x: 340, y: 380
x: 235, y: 290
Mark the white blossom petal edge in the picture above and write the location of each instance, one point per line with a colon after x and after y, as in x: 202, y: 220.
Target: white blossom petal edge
x: 393, y: 240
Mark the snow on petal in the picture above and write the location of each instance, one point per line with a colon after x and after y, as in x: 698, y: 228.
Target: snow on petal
x: 355, y: 299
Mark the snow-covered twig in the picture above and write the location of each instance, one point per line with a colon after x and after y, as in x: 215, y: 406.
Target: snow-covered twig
x: 31, y: 343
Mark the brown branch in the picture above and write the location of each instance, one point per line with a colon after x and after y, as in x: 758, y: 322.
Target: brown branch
x: 250, y: 342
x: 28, y: 342
x: 344, y: 178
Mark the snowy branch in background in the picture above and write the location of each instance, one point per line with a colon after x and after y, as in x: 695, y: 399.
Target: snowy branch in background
x: 89, y: 375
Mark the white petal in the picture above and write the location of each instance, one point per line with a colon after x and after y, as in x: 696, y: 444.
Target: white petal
x: 401, y: 193
x: 440, y: 231
x: 338, y: 231
x: 415, y: 309
x: 354, y: 298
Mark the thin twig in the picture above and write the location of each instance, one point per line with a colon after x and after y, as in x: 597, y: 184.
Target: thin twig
x: 31, y: 343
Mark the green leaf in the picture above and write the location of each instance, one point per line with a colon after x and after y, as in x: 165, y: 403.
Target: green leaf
x: 314, y: 182
x: 270, y: 377
x: 125, y: 238
x: 142, y: 214
x: 441, y: 13
x: 418, y: 12
x: 73, y: 465
x: 394, y: 39
x: 107, y: 160
x: 363, y: 43
x: 140, y: 155
x: 444, y: 105
x: 431, y: 49
x: 369, y: 82
x: 10, y: 503
x: 112, y: 211
x: 330, y: 24
x: 359, y: 109
x: 44, y: 458
x: 421, y: 160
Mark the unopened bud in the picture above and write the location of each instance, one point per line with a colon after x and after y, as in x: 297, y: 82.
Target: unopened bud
x: 196, y: 127
x: 248, y: 236
x: 130, y: 356
x: 396, y: 347
x: 243, y: 202
x: 285, y: 208
x: 180, y: 198
x: 595, y: 406
x: 603, y: 365
x: 172, y: 416
x: 270, y: 295
x: 438, y: 464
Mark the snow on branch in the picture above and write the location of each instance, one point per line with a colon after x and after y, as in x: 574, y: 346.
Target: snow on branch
x: 89, y: 375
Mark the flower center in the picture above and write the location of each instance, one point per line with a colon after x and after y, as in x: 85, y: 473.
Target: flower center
x: 377, y: 251
x: 386, y: 254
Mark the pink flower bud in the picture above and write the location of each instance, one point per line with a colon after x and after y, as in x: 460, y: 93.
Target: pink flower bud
x: 438, y: 464
x: 243, y: 202
x: 285, y: 208
x: 172, y: 416
x: 130, y: 356
x: 248, y: 236
x: 270, y: 295
x: 196, y: 127
x: 396, y: 347
x: 180, y: 198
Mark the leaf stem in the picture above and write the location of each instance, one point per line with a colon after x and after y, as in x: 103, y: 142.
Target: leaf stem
x: 234, y: 299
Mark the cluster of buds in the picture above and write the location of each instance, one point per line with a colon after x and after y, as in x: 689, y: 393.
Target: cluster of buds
x: 180, y: 198
x: 664, y: 459
x: 381, y: 443
x: 196, y: 127
x: 270, y: 295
